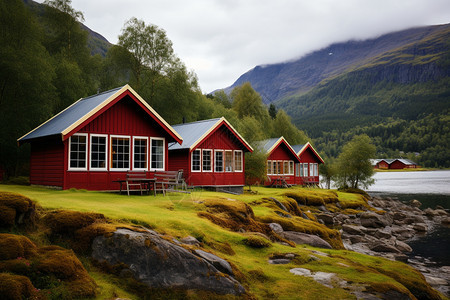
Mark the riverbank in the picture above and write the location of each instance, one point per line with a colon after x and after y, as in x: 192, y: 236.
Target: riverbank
x: 392, y: 231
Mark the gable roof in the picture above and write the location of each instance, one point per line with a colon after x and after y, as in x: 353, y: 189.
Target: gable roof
x: 82, y: 110
x: 404, y: 161
x: 194, y: 133
x: 270, y: 145
x: 299, y: 149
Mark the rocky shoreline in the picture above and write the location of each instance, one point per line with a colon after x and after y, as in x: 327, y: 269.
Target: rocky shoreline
x: 387, y: 234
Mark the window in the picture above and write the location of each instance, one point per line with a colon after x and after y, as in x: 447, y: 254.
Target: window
x: 269, y: 167
x: 274, y: 168
x: 280, y: 167
x: 98, y: 152
x: 305, y: 169
x: 195, y: 160
x: 157, y: 154
x: 291, y: 167
x: 297, y: 169
x: 140, y: 153
x: 238, y: 161
x: 218, y: 163
x: 316, y: 169
x: 120, y: 153
x: 78, y: 151
x: 286, y: 167
x: 206, y: 160
x: 228, y: 161
x: 311, y: 169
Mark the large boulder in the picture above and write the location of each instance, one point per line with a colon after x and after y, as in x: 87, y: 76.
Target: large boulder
x: 374, y: 220
x: 353, y: 229
x: 159, y: 263
x: 302, y: 238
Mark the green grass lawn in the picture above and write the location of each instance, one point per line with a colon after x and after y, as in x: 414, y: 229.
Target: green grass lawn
x: 176, y: 215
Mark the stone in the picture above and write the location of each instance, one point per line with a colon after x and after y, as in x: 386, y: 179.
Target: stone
x: 370, y: 219
x: 383, y: 247
x: 403, y: 247
x: 420, y: 227
x: 382, y: 234
x: 309, y: 239
x: 279, y: 261
x: 326, y: 218
x: 190, y: 240
x: 324, y: 278
x: 158, y: 263
x: 446, y: 221
x: 300, y: 271
x: 276, y: 228
x: 353, y: 229
x: 220, y: 263
x: 357, y: 239
x: 279, y: 204
x: 415, y: 203
x: 440, y: 212
x: 434, y: 281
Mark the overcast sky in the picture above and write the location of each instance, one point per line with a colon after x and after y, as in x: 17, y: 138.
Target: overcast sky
x: 222, y: 39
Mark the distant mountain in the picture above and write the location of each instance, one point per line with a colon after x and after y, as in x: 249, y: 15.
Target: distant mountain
x: 97, y: 43
x: 278, y: 81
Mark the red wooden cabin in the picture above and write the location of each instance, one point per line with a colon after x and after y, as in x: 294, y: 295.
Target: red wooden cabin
x: 281, y: 161
x: 97, y: 140
x: 211, y: 155
x: 307, y: 171
x: 401, y: 163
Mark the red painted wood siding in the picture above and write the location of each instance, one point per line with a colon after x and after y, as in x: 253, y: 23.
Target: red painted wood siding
x: 281, y: 152
x: 47, y: 163
x: 397, y: 165
x: 308, y: 156
x: 127, y: 118
x: 221, y: 139
x: 382, y: 165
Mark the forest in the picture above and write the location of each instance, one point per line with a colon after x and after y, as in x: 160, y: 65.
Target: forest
x: 48, y: 61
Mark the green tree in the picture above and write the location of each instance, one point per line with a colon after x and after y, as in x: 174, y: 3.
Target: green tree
x: 247, y: 102
x: 27, y: 94
x: 272, y: 111
x: 255, y: 167
x: 353, y: 164
x: 328, y: 171
x: 152, y: 51
x: 282, y: 126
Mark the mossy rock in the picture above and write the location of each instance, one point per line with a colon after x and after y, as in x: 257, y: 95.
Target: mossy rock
x: 67, y: 222
x: 256, y: 241
x: 16, y: 209
x: 13, y: 246
x: 16, y: 287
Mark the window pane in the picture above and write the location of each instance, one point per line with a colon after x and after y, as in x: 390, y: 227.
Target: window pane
x: 206, y: 160
x: 120, y: 150
x: 196, y: 160
x: 219, y: 161
x: 291, y: 168
x: 78, y: 151
x: 305, y: 169
x: 279, y: 167
x: 237, y: 161
x: 140, y: 153
x: 286, y: 167
x: 157, y: 161
x: 228, y: 161
x: 311, y: 169
x: 98, y: 152
x: 269, y: 167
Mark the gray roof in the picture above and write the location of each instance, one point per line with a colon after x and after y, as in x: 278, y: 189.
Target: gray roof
x: 69, y: 116
x: 298, y: 148
x: 192, y: 132
x: 266, y: 145
x: 406, y: 161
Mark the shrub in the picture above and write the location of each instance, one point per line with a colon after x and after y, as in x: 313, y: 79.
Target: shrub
x: 13, y: 246
x: 15, y: 287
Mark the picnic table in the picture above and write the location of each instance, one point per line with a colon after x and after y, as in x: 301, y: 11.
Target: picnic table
x: 279, y: 182
x: 137, y: 181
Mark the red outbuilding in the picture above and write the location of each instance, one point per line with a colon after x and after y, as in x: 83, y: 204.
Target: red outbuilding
x: 97, y: 140
x: 307, y: 171
x: 401, y: 163
x: 211, y: 155
x: 281, y: 162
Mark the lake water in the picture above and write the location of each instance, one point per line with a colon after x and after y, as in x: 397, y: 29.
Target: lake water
x: 431, y: 188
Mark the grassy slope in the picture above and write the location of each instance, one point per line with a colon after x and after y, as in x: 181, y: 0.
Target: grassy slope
x: 176, y: 215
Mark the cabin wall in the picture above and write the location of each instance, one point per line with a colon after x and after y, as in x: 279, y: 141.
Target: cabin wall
x: 308, y: 156
x: 397, y: 165
x: 124, y: 118
x: 47, y: 163
x: 282, y: 153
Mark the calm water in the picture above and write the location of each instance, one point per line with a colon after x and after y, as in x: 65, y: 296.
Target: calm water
x: 431, y: 188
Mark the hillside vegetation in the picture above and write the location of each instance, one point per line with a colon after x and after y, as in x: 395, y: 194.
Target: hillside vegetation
x: 234, y: 228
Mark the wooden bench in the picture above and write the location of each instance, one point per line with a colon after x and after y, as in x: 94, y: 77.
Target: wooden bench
x: 170, y: 181
x: 136, y: 181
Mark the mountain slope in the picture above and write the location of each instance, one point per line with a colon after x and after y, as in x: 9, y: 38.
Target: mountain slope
x: 277, y: 81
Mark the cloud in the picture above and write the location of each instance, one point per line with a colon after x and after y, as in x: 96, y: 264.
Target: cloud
x: 221, y: 39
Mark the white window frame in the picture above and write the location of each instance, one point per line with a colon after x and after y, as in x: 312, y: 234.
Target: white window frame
x: 285, y: 167
x: 241, y: 165
x: 215, y: 161
x: 269, y: 167
x: 311, y: 169
x: 147, y: 151
x: 305, y: 169
x: 105, y: 168
x: 280, y: 170
x: 316, y: 169
x: 199, y: 158
x: 291, y: 167
x: 210, y: 161
x: 164, y: 153
x: 86, y: 150
x: 297, y: 169
x: 232, y: 161
x: 111, y: 152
